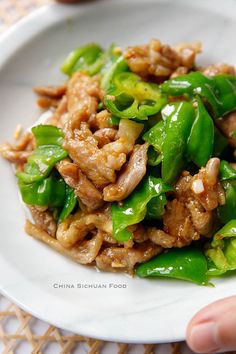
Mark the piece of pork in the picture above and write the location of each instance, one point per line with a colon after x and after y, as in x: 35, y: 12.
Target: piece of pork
x: 84, y: 189
x: 105, y: 136
x: 43, y: 219
x: 129, y: 177
x: 47, y: 102
x: 113, y: 259
x: 51, y: 91
x: 84, y: 253
x: 100, y: 165
x: 18, y: 153
x: 60, y: 115
x: 218, y: 69
x: 82, y: 100
x: 206, y: 187
x: 100, y: 120
x: 77, y: 226
x: 178, y: 223
x: 192, y: 213
x: 161, y: 60
x: 202, y: 219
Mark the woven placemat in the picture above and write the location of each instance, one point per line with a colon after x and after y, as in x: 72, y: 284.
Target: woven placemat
x: 19, y: 331
x: 22, y: 333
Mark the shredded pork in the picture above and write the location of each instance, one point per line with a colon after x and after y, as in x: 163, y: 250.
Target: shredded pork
x: 124, y: 259
x: 100, y: 164
x: 43, y: 219
x: 160, y: 60
x: 217, y: 69
x: 51, y: 91
x: 106, y: 163
x: 192, y: 213
x: 77, y: 226
x: 84, y: 189
x: 18, y: 153
x: 84, y: 253
x: 130, y: 176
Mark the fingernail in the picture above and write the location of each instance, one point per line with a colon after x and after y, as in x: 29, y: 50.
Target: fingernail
x: 203, y: 338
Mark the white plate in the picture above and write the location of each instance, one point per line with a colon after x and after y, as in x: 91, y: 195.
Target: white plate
x: 31, y: 53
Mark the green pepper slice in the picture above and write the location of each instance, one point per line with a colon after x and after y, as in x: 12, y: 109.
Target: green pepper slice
x: 156, y: 136
x: 226, y: 172
x: 226, y: 91
x: 49, y: 151
x: 227, y: 211
x: 134, y: 208
x: 113, y: 120
x: 227, y: 176
x: 186, y: 264
x: 130, y: 97
x: 179, y: 119
x: 154, y: 158
x: 220, y: 142
x: 156, y: 207
x: 41, y: 162
x: 201, y: 139
x: 48, y: 135
x: 81, y: 59
x: 219, y: 91
x: 49, y: 192
x: 69, y: 204
x: 222, y: 250
x: 117, y: 67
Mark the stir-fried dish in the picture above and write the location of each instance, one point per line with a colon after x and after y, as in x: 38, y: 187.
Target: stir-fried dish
x: 133, y: 169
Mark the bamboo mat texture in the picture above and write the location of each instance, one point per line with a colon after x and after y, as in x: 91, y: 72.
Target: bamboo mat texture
x: 21, y: 333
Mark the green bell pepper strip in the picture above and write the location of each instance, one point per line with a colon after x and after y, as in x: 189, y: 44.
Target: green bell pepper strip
x: 220, y: 142
x: 41, y: 162
x: 227, y: 176
x: 69, y: 204
x: 48, y: 135
x: 134, y: 208
x: 156, y: 207
x: 226, y: 171
x: 201, y: 139
x: 154, y: 158
x: 219, y: 91
x: 113, y: 120
x: 117, y: 67
x: 100, y: 106
x: 81, y: 59
x: 156, y: 136
x: 228, y: 230
x: 227, y: 211
x: 104, y: 61
x: 222, y: 250
x: 186, y: 264
x: 49, y: 192
x: 226, y: 91
x: 178, y: 126
x: 49, y: 151
x: 130, y: 97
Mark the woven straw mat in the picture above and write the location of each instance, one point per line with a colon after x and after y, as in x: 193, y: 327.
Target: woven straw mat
x: 19, y: 331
